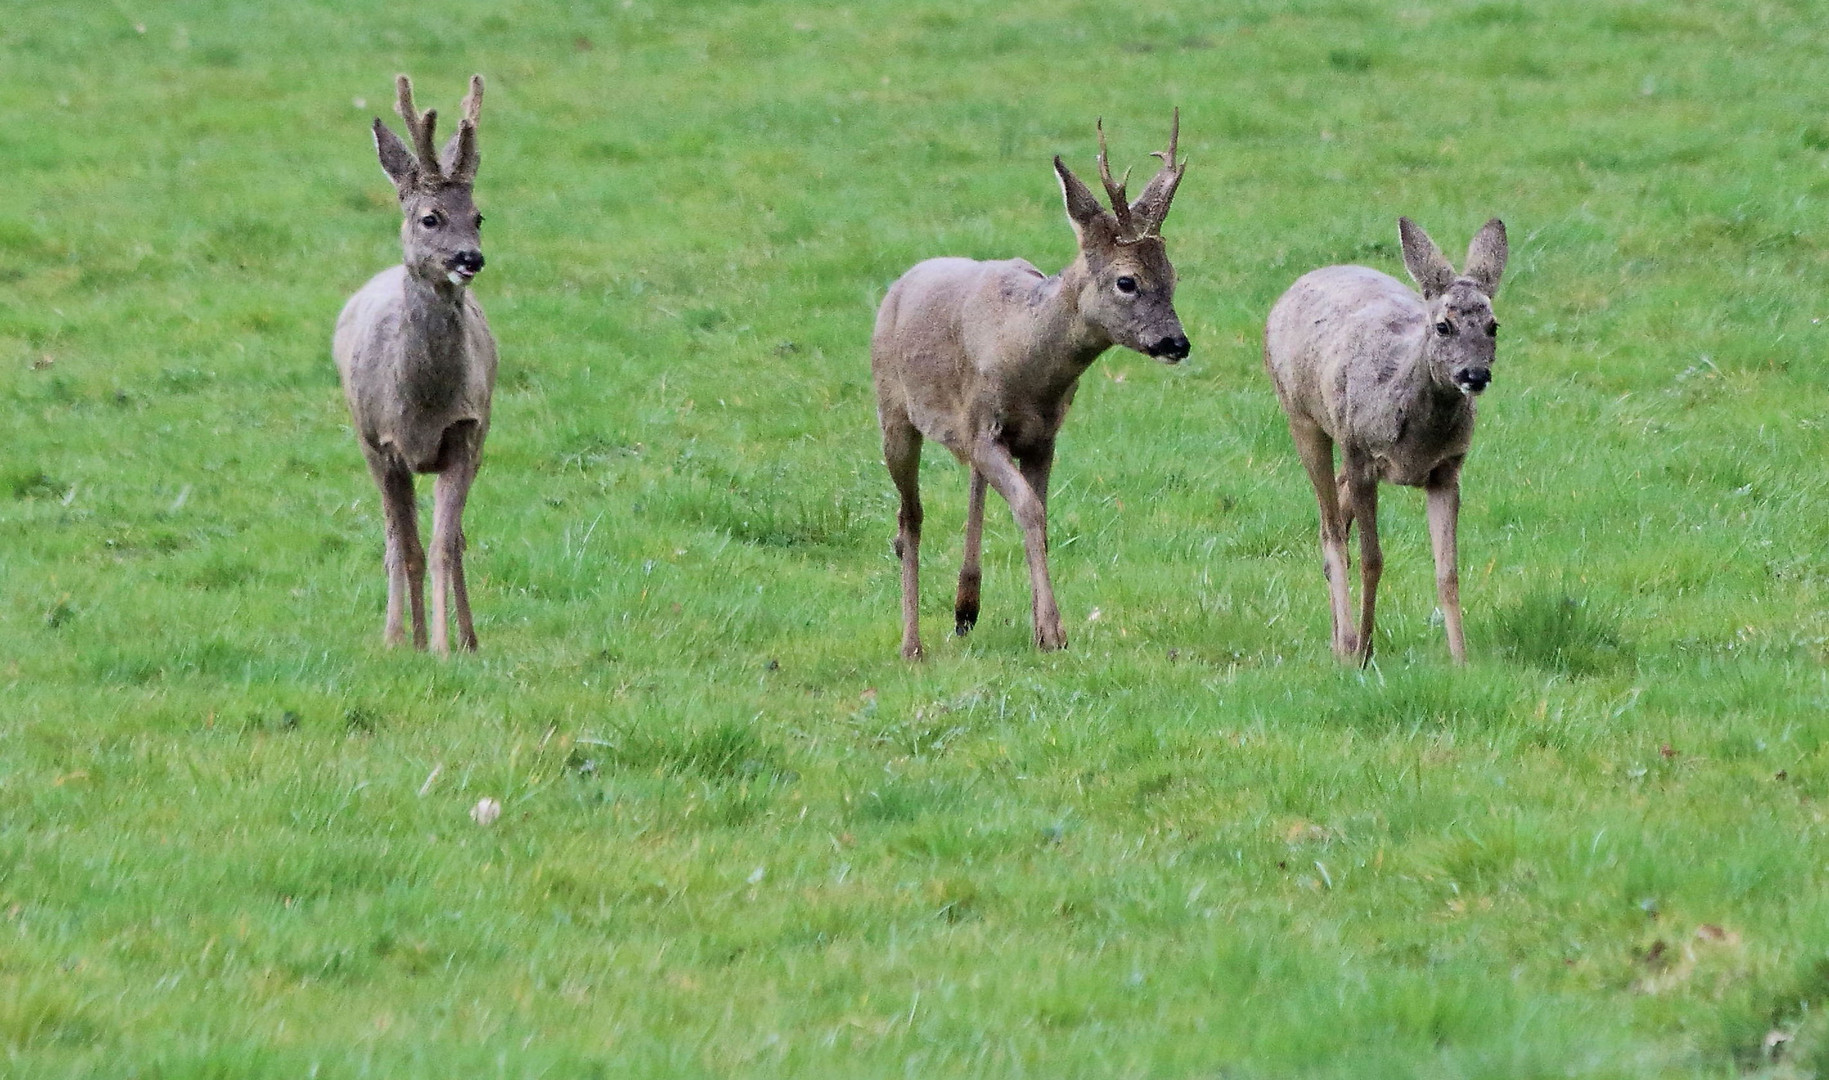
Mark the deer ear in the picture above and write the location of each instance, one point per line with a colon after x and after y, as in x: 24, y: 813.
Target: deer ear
x: 1486, y: 257
x: 1083, y: 207
x: 1424, y: 260
x: 396, y: 160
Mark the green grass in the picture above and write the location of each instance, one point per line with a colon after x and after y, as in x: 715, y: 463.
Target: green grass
x: 740, y: 836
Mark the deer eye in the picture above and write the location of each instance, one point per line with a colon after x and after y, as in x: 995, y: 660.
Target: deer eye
x: 1492, y: 329
x: 1127, y: 285
x: 1444, y: 328
x: 479, y: 221
x: 430, y: 221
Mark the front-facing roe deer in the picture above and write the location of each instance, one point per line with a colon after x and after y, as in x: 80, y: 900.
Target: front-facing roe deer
x: 1360, y: 360
x: 983, y: 358
x: 418, y: 365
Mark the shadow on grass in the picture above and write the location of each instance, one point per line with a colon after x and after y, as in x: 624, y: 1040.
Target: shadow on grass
x: 1555, y: 631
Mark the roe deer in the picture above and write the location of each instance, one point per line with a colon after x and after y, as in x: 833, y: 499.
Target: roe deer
x: 1359, y: 360
x: 983, y: 358
x: 418, y: 364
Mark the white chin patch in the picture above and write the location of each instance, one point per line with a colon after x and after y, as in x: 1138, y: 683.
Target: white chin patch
x: 454, y: 277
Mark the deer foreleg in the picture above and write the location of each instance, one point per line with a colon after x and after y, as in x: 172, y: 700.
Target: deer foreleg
x: 449, y: 493
x: 1444, y: 495
x: 1000, y: 471
x: 405, y: 558
x: 971, y: 575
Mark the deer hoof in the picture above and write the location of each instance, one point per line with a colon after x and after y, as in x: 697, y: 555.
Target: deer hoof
x: 913, y: 651
x: 1050, y: 640
x: 964, y: 619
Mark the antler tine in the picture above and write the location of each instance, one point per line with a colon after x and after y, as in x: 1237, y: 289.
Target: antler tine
x: 419, y: 126
x: 1120, y: 206
x: 473, y: 101
x: 1168, y: 156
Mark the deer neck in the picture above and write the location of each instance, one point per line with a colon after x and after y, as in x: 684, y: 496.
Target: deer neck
x: 1063, y: 344
x: 434, y: 315
x: 437, y: 354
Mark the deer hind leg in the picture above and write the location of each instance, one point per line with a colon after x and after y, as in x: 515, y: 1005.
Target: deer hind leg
x: 902, y: 453
x: 1362, y: 487
x: 971, y: 574
x: 405, y: 558
x: 1317, y: 453
x: 458, y: 457
x: 1000, y: 471
x: 1444, y: 495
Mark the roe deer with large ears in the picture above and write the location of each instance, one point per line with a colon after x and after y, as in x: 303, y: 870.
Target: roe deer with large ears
x: 1360, y: 360
x: 983, y: 357
x: 418, y: 365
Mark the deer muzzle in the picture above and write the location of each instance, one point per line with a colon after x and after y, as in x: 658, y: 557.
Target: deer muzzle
x: 464, y: 265
x: 1471, y: 381
x: 1172, y: 349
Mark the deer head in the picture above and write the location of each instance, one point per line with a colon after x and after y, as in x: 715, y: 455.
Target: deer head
x: 1129, y: 289
x: 441, y: 234
x: 1462, y: 340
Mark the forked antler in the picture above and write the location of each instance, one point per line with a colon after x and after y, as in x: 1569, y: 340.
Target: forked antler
x: 460, y: 155
x: 1152, y: 206
x: 1114, y: 190
x: 419, y: 128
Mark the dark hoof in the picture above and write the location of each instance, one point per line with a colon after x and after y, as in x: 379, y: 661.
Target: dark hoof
x: 964, y: 619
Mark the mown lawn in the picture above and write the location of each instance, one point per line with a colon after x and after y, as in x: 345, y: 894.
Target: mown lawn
x: 741, y: 837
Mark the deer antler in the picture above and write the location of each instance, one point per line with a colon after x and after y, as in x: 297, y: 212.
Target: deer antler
x: 1114, y: 190
x: 419, y: 127
x: 460, y: 158
x: 473, y: 102
x: 1153, y: 205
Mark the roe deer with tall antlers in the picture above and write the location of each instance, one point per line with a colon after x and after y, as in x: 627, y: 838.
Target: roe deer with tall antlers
x: 983, y: 358
x: 418, y: 365
x: 1360, y: 360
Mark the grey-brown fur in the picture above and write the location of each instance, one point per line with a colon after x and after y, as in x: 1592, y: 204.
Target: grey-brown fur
x: 1360, y: 360
x: 418, y: 365
x: 983, y: 357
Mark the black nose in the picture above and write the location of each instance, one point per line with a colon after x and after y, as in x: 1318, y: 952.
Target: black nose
x: 1171, y: 348
x: 467, y: 261
x: 1475, y: 379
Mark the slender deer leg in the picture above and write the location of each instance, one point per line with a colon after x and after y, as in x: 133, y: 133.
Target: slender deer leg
x: 993, y: 460
x: 405, y: 558
x: 1037, y: 466
x: 902, y: 453
x: 449, y: 492
x: 1444, y: 493
x: 971, y: 576
x: 1362, y: 484
x: 1317, y: 452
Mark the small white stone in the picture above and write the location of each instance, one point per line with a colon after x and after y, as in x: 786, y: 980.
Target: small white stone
x: 485, y: 812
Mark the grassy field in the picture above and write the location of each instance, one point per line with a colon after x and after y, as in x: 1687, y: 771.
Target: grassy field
x: 741, y: 837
